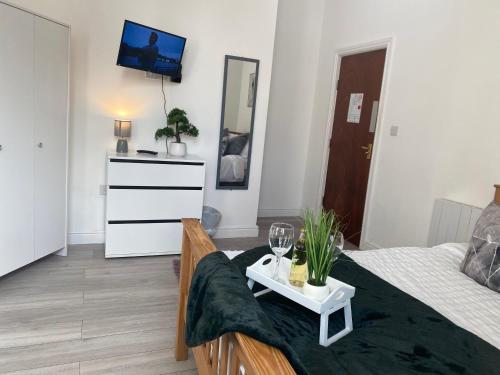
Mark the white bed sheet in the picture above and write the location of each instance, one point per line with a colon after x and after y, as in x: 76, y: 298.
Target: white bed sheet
x: 232, y: 168
x: 432, y: 276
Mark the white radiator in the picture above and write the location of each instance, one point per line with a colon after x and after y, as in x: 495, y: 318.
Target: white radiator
x: 452, y: 222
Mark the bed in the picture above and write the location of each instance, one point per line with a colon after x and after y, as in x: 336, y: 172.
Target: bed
x: 430, y: 275
x: 433, y: 277
x: 232, y: 168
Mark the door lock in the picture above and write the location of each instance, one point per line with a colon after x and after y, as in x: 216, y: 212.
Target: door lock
x: 368, y: 151
x: 40, y: 145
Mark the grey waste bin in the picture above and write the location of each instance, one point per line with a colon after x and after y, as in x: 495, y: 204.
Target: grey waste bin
x: 210, y: 219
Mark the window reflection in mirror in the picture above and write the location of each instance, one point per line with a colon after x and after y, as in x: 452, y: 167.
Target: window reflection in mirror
x: 237, y: 117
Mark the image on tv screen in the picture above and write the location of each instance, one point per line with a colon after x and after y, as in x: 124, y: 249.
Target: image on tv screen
x: 151, y: 50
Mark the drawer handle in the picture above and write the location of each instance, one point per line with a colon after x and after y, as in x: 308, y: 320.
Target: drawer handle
x: 133, y: 187
x: 144, y: 221
x: 138, y: 161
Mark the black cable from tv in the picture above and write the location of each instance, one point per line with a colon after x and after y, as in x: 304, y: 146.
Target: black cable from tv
x: 164, y: 103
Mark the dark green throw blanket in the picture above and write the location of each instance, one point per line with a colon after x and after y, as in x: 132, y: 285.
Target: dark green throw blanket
x: 393, y: 332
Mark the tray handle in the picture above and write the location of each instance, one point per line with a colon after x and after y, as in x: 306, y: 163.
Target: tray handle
x: 265, y: 258
x: 338, y: 294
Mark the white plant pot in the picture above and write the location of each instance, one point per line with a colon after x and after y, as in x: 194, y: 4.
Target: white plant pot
x: 319, y: 293
x: 177, y: 149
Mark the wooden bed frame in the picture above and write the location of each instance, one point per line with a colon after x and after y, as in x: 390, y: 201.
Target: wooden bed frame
x: 497, y: 194
x: 233, y: 349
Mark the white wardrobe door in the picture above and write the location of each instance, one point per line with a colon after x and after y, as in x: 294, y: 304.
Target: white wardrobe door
x: 16, y: 138
x: 51, y: 108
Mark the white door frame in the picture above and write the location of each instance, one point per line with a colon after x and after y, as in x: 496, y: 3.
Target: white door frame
x: 388, y: 44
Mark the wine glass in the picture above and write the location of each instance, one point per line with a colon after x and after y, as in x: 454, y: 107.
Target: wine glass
x: 337, y: 245
x: 281, y: 241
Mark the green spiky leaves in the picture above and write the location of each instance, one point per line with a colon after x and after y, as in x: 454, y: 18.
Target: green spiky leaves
x: 322, y: 232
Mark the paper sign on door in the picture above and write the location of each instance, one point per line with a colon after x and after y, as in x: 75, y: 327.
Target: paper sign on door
x: 355, y: 105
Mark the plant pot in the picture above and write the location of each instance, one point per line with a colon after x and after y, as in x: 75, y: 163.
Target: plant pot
x: 319, y: 293
x: 177, y: 149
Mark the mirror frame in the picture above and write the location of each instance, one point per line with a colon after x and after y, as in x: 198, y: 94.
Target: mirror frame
x: 218, y: 186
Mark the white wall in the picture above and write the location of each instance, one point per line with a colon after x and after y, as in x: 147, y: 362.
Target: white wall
x: 298, y: 35
x: 442, y: 93
x: 102, y: 91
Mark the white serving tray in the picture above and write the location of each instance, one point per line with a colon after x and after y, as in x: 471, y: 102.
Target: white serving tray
x: 339, y: 297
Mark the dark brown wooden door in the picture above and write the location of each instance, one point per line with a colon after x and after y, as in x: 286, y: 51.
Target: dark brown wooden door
x: 352, y: 138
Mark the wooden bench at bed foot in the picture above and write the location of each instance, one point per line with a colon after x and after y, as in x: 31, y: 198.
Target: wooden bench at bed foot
x: 227, y: 354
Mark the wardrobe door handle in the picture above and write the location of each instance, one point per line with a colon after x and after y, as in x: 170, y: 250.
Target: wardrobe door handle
x: 1, y: 147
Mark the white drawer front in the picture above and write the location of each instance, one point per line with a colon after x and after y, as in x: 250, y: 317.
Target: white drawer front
x: 155, y: 174
x: 152, y: 204
x: 143, y: 239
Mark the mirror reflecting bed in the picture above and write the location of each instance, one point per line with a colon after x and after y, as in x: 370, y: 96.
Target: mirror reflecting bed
x: 237, y: 117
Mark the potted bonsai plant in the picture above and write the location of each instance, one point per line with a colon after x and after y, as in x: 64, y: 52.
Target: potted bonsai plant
x: 177, y: 124
x: 324, y: 244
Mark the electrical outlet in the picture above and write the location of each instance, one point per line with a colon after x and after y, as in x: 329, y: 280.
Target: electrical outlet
x: 102, y: 189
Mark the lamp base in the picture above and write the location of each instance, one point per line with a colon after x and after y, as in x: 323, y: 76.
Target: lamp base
x: 122, y: 146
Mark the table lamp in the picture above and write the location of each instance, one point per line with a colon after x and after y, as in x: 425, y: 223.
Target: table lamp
x: 123, y: 129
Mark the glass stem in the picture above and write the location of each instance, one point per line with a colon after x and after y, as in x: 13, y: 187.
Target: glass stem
x: 277, y: 268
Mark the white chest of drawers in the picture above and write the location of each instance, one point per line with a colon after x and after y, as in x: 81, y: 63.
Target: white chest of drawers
x: 146, y: 198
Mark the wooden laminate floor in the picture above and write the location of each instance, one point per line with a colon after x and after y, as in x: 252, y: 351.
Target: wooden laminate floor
x: 264, y: 223
x: 83, y: 314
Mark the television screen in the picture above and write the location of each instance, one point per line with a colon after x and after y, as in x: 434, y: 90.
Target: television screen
x: 150, y: 49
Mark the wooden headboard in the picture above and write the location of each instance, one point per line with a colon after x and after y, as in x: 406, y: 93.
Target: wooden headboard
x: 454, y: 221
x: 497, y: 194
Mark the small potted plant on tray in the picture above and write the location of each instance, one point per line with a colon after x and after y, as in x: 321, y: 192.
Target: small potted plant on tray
x: 177, y: 124
x: 324, y: 242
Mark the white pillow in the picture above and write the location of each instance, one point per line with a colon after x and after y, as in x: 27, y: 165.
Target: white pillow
x: 244, y: 152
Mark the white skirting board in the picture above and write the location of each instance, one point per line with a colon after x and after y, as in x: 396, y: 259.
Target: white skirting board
x: 85, y: 238
x: 452, y: 222
x: 278, y: 212
x: 236, y: 231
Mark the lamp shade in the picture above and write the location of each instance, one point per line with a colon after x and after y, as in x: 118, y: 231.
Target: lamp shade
x: 123, y: 128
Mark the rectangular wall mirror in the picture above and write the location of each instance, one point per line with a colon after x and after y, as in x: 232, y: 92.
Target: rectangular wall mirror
x: 237, y: 116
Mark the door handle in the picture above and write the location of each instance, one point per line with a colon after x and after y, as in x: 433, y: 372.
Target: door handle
x: 40, y: 145
x: 368, y: 151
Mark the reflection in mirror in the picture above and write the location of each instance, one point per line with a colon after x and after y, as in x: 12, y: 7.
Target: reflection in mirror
x: 238, y: 110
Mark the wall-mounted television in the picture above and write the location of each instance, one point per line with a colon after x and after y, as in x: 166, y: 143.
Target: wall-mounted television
x: 151, y: 50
